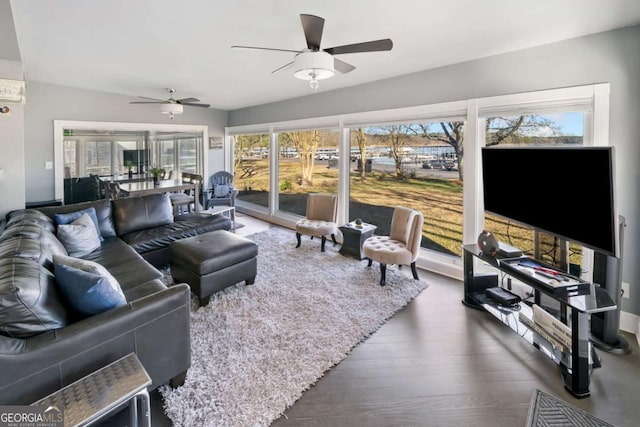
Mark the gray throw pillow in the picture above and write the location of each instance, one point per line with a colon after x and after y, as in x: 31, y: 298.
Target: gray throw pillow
x: 80, y: 237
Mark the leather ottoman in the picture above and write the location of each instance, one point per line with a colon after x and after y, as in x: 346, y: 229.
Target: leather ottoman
x: 213, y: 261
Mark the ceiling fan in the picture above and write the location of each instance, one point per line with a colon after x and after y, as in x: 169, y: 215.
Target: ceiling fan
x: 171, y: 106
x: 314, y: 64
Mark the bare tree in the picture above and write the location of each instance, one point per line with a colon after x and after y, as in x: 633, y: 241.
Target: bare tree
x: 452, y: 134
x: 519, y: 129
x: 305, y: 144
x: 362, y: 147
x: 243, y: 145
x: 396, y: 137
x: 497, y: 130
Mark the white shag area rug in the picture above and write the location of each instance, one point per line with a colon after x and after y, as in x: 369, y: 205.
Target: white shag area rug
x: 255, y: 349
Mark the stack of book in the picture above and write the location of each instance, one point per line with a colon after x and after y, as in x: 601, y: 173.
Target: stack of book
x: 548, y: 327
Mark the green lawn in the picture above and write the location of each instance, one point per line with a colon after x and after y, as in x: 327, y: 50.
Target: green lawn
x: 440, y: 201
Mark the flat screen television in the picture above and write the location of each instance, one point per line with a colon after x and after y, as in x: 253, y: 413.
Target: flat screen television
x: 565, y: 191
x: 140, y: 158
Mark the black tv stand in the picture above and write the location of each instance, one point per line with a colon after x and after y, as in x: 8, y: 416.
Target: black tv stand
x: 575, y: 362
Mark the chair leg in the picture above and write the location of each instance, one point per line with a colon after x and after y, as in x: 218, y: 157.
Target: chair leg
x: 370, y: 262
x: 414, y: 271
x: 333, y: 237
x: 383, y: 274
x: 324, y: 240
x: 298, y: 237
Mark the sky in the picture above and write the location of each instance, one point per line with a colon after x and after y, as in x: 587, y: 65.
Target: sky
x: 570, y: 123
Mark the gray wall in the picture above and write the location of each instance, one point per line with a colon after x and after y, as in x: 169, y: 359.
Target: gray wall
x: 9, y: 49
x: 11, y: 125
x: 612, y: 57
x: 48, y: 102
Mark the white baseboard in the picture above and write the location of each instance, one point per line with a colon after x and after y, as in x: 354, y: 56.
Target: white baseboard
x: 444, y: 267
x: 630, y: 322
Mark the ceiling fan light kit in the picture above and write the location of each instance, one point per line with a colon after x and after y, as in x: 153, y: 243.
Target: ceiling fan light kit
x: 313, y: 66
x: 171, y: 109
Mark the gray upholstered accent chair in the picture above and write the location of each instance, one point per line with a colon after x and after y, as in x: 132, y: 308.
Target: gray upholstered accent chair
x: 401, y: 246
x: 320, y: 221
x: 221, y: 190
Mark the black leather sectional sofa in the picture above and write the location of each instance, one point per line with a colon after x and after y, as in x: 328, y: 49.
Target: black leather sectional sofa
x: 154, y: 323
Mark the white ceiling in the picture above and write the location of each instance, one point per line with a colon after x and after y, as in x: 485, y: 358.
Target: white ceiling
x: 141, y: 47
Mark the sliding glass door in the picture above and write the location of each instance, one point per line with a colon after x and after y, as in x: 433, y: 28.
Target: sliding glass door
x: 88, y: 152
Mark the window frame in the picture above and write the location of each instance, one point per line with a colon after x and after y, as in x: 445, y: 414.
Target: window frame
x: 58, y: 137
x: 592, y: 99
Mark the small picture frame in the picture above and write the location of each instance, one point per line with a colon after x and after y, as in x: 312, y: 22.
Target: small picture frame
x: 12, y: 91
x: 215, y: 143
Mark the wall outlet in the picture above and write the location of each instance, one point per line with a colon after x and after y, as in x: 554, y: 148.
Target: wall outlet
x: 625, y: 290
x: 48, y: 165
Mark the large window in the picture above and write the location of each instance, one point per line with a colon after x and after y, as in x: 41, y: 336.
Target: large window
x: 251, y: 167
x: 414, y: 165
x: 307, y: 163
x: 559, y: 129
x: 427, y: 157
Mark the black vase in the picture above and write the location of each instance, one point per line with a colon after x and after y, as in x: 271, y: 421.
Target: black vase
x: 130, y: 174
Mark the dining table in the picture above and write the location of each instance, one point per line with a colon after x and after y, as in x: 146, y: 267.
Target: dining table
x: 162, y: 186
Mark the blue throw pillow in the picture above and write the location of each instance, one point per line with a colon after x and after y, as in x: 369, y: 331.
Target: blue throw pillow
x: 87, y: 293
x: 68, y: 218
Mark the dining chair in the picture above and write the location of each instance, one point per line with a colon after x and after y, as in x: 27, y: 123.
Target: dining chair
x: 114, y: 191
x: 182, y: 200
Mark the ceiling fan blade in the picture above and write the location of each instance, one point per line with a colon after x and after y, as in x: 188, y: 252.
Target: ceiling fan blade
x: 372, y: 46
x: 342, y: 66
x: 264, y: 48
x: 312, y: 26
x: 147, y: 102
x: 191, y: 104
x: 284, y: 67
x: 153, y: 99
x: 184, y: 100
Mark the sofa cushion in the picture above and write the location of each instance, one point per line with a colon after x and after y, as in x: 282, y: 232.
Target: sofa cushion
x: 30, y: 216
x: 27, y: 229
x: 124, y: 263
x: 140, y: 213
x: 29, y: 300
x: 88, y: 293
x: 31, y: 242
x: 151, y: 239
x: 80, y: 237
x: 103, y: 213
x: 68, y: 218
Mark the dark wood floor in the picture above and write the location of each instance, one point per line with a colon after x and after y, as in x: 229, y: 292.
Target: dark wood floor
x: 437, y: 362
